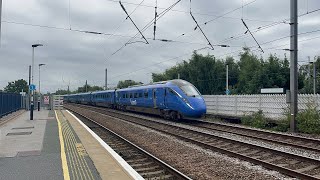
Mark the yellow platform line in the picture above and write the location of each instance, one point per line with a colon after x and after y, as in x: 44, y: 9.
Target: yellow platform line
x: 63, y: 153
x: 82, y: 163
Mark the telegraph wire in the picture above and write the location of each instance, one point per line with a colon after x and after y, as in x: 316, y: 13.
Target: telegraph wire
x: 248, y: 30
x: 274, y: 47
x: 229, y: 12
x: 144, y: 28
x: 146, y: 67
x: 219, y: 56
x: 260, y: 28
x: 196, y: 13
x: 209, y: 43
x: 138, y: 5
x: 128, y: 16
x: 69, y: 15
x: 94, y: 32
x: 194, y: 19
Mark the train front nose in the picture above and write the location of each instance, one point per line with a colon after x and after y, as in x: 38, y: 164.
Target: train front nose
x: 198, y: 107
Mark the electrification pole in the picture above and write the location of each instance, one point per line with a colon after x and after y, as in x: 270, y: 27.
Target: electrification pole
x: 309, y: 74
x: 314, y: 77
x: 293, y: 63
x: 227, y: 80
x: 86, y: 86
x: 0, y: 19
x: 106, y: 80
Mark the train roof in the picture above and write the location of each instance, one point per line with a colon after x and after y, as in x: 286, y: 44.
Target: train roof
x: 101, y: 92
x: 174, y: 82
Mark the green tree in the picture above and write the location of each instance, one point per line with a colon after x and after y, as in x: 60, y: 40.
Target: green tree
x: 17, y: 86
x: 250, y: 76
x: 127, y: 83
x: 61, y: 92
x: 206, y: 72
x: 88, y: 88
x: 247, y: 76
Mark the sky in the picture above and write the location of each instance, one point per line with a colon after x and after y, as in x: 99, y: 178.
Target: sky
x: 73, y: 56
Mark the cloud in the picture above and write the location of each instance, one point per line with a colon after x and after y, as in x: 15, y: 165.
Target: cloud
x: 75, y: 57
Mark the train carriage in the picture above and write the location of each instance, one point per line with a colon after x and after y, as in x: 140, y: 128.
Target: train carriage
x: 170, y: 99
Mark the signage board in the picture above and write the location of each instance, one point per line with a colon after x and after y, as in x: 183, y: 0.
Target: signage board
x: 32, y: 87
x: 46, y: 99
x: 272, y: 91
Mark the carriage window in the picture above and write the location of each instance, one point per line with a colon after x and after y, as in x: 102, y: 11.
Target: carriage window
x: 131, y: 95
x: 171, y: 91
x: 135, y: 95
x: 123, y: 95
x: 140, y: 95
x: 145, y: 94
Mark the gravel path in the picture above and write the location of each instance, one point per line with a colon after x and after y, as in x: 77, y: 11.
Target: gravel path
x: 190, y: 159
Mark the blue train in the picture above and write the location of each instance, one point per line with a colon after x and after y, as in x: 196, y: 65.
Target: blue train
x: 173, y: 99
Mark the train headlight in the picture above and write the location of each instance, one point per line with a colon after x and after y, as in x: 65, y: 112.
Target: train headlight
x: 187, y: 102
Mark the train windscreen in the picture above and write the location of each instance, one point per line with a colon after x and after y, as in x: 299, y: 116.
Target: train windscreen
x: 190, y: 90
x: 186, y: 87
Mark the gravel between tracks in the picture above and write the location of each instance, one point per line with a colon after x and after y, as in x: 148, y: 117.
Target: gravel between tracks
x: 194, y: 161
x: 271, y: 145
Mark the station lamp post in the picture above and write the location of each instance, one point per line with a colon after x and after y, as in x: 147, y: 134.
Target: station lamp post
x: 39, y: 100
x: 32, y: 91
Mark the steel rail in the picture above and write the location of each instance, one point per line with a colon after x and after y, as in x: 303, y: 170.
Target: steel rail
x: 285, y: 139
x: 177, y: 174
x: 266, y: 164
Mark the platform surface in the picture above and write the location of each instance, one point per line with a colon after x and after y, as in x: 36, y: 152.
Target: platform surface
x: 57, y: 145
x: 30, y: 149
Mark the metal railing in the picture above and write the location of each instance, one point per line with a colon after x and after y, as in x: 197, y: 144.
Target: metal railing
x: 9, y: 102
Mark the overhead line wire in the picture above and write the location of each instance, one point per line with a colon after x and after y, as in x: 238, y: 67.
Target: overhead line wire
x: 273, y: 47
x: 209, y: 43
x: 144, y: 28
x: 128, y: 16
x: 229, y: 12
x: 248, y: 30
x: 260, y: 28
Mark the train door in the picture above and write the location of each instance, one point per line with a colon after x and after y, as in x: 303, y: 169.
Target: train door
x: 171, y: 99
x: 154, y: 97
x: 158, y: 98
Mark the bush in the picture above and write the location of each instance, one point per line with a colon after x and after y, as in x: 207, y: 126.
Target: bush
x: 308, y: 121
x: 257, y: 120
x: 283, y: 124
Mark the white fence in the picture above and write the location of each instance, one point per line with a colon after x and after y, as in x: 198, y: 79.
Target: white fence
x: 273, y: 105
x: 57, y: 102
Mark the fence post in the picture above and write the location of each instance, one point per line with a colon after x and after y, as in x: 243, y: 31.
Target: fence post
x: 217, y: 104
x: 236, y: 104
x: 1, y: 107
x: 260, y: 102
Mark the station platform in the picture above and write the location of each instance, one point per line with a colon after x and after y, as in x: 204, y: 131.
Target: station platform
x: 56, y: 145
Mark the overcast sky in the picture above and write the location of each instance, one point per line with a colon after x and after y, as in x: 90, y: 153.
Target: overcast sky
x: 73, y: 56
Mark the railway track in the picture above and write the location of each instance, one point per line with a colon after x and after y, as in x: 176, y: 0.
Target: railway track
x: 284, y: 162
x: 147, y: 165
x: 278, y: 138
